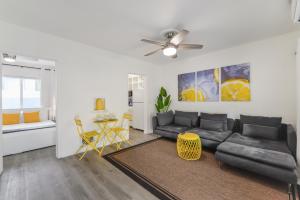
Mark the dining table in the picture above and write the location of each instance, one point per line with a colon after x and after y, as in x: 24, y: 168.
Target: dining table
x: 105, y: 131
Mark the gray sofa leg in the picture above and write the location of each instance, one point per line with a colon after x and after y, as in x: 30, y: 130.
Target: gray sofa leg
x: 220, y: 164
x: 292, y: 191
x: 298, y: 191
x: 289, y: 190
x: 295, y: 191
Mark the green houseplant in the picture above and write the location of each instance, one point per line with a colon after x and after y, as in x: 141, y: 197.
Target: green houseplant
x: 163, y: 101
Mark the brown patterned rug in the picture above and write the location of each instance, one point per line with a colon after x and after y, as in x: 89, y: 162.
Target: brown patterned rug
x: 156, y: 166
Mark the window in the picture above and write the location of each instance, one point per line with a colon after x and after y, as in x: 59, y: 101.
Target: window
x: 20, y: 93
x: 31, y: 93
x: 11, y: 96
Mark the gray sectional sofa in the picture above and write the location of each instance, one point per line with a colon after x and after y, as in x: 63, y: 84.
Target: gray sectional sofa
x: 261, y: 145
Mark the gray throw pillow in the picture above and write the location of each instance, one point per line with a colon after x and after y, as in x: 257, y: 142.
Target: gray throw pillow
x: 165, y: 118
x: 259, y: 120
x: 183, y: 121
x: 212, y: 125
x: 215, y: 117
x: 258, y: 131
x: 192, y: 115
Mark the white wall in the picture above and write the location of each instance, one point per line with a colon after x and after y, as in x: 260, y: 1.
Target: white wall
x: 273, y: 87
x: 83, y: 73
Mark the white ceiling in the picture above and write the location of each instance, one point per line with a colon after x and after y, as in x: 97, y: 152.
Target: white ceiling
x: 118, y: 25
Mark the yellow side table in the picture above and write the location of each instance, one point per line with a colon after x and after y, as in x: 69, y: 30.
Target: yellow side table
x: 189, y: 146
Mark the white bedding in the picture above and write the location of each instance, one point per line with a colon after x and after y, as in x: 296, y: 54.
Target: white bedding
x: 27, y: 126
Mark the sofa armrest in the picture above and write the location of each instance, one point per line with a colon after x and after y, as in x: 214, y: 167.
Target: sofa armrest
x: 292, y: 139
x: 154, y: 123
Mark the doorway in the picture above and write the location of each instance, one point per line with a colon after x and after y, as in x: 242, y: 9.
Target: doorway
x: 29, y: 98
x: 137, y: 101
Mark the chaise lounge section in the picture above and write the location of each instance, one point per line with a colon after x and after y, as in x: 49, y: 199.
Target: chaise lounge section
x: 262, y: 145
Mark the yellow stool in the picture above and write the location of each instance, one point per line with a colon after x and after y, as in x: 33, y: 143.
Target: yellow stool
x: 189, y: 146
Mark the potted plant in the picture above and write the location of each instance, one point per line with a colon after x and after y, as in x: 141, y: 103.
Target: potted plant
x: 163, y: 101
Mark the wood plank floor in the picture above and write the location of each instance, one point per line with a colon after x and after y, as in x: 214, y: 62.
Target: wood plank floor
x: 38, y: 175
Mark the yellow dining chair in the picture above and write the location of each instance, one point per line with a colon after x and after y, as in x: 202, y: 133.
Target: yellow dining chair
x: 87, y: 137
x: 121, y: 129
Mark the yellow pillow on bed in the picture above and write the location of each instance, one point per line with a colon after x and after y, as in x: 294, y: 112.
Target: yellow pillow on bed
x: 10, y: 118
x: 30, y: 117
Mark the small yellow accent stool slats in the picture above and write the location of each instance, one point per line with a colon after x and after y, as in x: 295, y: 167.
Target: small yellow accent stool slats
x: 189, y: 146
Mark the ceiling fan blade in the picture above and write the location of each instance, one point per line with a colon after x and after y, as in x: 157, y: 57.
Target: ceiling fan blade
x: 152, y: 52
x: 190, y: 46
x: 153, y: 42
x: 179, y: 37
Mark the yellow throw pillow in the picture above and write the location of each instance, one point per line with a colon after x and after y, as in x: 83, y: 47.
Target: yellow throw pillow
x: 30, y: 117
x: 10, y: 118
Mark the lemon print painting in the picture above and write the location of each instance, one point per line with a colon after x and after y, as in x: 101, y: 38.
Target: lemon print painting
x: 235, y: 81
x: 186, y: 87
x: 208, y: 85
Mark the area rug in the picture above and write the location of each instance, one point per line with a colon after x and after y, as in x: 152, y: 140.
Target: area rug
x: 156, y: 166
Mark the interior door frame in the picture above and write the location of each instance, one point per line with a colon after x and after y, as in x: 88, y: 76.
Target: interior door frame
x: 146, y: 129
x: 1, y: 136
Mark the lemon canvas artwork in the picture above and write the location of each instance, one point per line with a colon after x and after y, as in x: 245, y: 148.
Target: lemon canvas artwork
x: 235, y: 83
x: 186, y: 87
x: 208, y: 85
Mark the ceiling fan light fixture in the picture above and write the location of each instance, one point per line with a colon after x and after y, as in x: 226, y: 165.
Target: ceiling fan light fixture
x: 169, y: 51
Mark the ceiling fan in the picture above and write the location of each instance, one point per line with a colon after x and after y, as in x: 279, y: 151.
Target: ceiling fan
x: 172, y: 43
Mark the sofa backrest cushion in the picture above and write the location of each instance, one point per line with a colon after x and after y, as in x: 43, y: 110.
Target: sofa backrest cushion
x: 212, y: 125
x: 260, y: 120
x: 230, y: 124
x: 182, y: 121
x: 165, y: 118
x: 215, y: 117
x: 192, y: 115
x: 258, y: 131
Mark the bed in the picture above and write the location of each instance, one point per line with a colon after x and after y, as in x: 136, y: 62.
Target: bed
x: 23, y: 137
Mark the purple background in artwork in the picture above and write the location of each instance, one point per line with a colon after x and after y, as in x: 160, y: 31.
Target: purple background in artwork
x: 240, y: 71
x: 206, y: 82
x: 186, y: 81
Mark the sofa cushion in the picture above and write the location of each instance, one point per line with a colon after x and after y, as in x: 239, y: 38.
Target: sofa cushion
x: 173, y: 128
x: 274, y: 172
x: 192, y: 115
x: 258, y: 131
x: 212, y: 125
x: 266, y: 156
x: 216, y: 117
x: 182, y: 121
x: 274, y: 145
x: 259, y: 120
x: 211, y: 135
x: 165, y: 118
